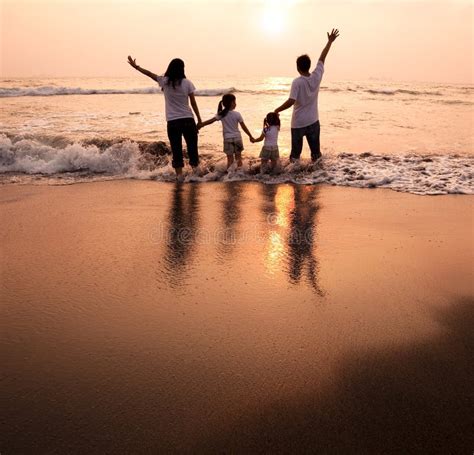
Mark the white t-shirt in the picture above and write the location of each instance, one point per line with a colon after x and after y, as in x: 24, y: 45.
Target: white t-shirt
x: 230, y: 125
x: 271, y: 136
x: 304, y: 90
x: 176, y: 99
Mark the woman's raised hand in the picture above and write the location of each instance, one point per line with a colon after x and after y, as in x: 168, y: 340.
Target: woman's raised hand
x: 132, y: 62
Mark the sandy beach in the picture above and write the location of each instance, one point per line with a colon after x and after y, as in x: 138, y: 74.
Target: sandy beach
x: 143, y: 317
x: 236, y: 227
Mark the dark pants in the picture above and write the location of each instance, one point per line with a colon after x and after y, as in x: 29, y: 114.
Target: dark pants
x: 312, y: 136
x: 183, y: 127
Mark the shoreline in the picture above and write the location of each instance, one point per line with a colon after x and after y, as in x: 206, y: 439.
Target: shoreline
x: 217, y: 175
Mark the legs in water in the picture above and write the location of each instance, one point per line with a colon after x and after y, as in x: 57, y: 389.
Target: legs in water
x: 190, y: 134
x: 312, y: 133
x: 238, y: 158
x: 297, y: 135
x: 265, y: 167
x: 233, y: 150
x: 231, y: 159
x: 174, y: 135
x: 312, y: 136
x: 177, y: 129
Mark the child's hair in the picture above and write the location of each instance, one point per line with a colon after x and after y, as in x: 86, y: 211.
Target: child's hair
x: 272, y: 119
x: 224, y: 104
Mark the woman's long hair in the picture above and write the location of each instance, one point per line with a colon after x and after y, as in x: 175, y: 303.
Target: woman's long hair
x: 272, y: 119
x: 225, y: 104
x: 175, y: 72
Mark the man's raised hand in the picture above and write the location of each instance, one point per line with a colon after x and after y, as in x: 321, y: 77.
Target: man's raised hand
x: 333, y: 35
x: 132, y: 62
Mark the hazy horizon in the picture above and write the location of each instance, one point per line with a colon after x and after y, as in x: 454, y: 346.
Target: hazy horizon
x: 393, y: 40
x: 234, y: 77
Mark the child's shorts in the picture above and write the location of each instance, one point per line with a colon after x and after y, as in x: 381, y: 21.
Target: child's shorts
x: 232, y: 146
x: 270, y: 152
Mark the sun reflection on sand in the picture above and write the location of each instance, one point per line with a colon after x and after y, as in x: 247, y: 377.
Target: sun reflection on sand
x: 284, y: 204
x: 278, y: 223
x: 291, y: 212
x: 275, y: 252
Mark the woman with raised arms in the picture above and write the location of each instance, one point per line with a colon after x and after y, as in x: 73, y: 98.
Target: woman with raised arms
x: 178, y: 92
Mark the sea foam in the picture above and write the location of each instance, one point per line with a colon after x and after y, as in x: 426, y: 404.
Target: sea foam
x: 62, y: 162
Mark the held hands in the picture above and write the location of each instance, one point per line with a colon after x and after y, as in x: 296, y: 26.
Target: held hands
x: 132, y: 62
x: 252, y: 139
x: 333, y: 35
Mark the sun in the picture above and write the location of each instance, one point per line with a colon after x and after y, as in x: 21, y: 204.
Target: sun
x: 273, y: 20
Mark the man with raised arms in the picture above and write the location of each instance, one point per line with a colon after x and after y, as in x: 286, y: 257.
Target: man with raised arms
x: 304, y: 99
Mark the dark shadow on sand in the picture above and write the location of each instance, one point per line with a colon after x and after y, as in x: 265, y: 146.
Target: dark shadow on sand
x: 415, y: 398
x: 418, y: 398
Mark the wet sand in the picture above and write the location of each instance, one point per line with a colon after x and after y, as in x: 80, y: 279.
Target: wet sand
x: 142, y: 317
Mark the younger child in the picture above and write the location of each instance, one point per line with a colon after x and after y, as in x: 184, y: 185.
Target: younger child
x: 271, y: 128
x: 231, y: 119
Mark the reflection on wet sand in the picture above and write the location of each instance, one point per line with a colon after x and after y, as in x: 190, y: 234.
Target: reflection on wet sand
x: 275, y: 208
x: 102, y: 357
x: 290, y: 213
x: 182, y: 228
x: 301, y: 236
x: 231, y: 213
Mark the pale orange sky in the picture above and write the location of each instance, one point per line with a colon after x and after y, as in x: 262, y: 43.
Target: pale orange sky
x: 390, y: 39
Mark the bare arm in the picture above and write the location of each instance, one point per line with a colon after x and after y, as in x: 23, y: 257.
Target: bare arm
x: 207, y: 122
x: 244, y: 127
x: 133, y: 64
x: 195, y: 107
x: 259, y: 138
x: 331, y: 38
x: 287, y: 104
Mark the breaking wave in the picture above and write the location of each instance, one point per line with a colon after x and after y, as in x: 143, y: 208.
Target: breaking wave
x: 402, y: 92
x: 61, y: 91
x: 56, y: 161
x: 48, y: 90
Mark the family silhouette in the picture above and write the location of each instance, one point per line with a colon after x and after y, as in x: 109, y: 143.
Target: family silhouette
x: 180, y: 102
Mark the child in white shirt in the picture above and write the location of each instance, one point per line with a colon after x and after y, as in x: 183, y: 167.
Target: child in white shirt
x: 231, y: 119
x: 270, y: 152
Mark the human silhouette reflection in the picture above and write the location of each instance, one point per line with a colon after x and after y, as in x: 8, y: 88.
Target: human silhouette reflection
x: 268, y: 207
x: 290, y: 215
x: 301, y: 236
x: 181, y: 232
x: 231, y: 212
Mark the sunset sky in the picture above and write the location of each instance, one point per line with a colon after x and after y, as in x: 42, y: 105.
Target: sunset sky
x: 389, y: 39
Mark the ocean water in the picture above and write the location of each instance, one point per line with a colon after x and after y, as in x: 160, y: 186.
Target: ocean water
x: 410, y: 137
